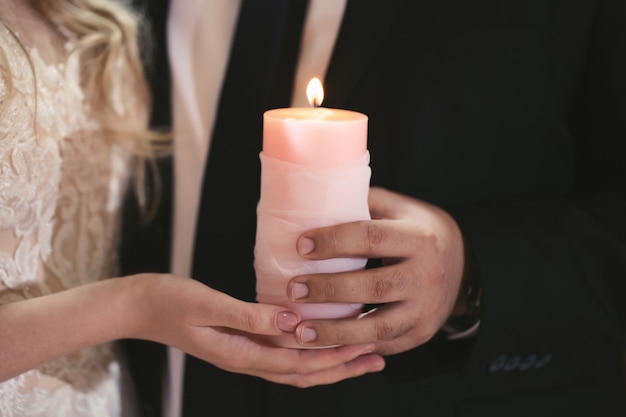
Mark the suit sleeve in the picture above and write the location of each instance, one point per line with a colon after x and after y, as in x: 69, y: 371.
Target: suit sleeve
x: 553, y: 268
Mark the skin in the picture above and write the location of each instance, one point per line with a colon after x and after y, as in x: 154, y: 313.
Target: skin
x: 418, y: 285
x: 177, y: 311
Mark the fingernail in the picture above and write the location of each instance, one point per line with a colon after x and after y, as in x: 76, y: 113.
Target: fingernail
x: 379, y: 366
x: 308, y: 334
x: 286, y: 321
x: 299, y: 290
x: 305, y: 245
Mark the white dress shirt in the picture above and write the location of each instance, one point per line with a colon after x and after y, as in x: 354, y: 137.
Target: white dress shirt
x: 200, y: 34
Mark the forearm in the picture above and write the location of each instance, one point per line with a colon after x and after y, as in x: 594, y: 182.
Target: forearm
x: 43, y: 328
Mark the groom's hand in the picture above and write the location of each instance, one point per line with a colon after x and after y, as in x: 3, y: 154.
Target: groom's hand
x: 422, y: 251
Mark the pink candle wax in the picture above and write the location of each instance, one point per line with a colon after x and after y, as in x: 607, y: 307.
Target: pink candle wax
x: 314, y: 136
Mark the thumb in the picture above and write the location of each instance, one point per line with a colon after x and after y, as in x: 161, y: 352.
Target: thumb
x: 383, y: 204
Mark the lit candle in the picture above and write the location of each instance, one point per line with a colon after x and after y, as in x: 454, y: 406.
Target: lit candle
x: 314, y: 136
x: 314, y: 172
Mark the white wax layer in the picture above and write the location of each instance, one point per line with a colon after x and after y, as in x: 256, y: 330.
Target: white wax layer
x: 295, y: 198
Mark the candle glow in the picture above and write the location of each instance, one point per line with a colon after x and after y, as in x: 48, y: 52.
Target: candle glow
x: 315, y: 92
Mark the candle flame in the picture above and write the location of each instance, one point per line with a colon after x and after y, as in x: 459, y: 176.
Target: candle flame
x: 315, y: 92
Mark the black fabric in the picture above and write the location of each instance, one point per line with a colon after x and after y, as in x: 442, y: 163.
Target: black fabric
x: 259, y: 77
x: 146, y: 245
x: 510, y: 115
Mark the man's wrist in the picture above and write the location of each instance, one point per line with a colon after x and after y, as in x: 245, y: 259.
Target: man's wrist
x: 465, y: 318
x: 466, y: 324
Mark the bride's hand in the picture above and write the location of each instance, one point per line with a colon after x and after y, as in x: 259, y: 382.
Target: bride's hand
x: 227, y: 332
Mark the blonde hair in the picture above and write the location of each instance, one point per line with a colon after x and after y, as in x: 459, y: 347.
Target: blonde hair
x: 106, y: 36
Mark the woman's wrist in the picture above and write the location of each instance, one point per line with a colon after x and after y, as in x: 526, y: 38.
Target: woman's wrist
x: 140, y: 302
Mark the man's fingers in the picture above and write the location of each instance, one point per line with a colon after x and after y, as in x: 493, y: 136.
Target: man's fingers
x: 385, y: 324
x: 364, y: 239
x: 369, y: 286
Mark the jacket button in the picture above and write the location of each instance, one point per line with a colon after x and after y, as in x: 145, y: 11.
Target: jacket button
x: 497, y: 363
x: 543, y: 360
x: 528, y: 362
x: 512, y: 363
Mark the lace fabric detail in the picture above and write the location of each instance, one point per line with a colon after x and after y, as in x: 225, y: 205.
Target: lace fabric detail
x: 61, y: 187
x: 25, y: 395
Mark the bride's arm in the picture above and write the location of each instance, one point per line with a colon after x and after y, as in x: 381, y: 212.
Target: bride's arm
x: 39, y: 329
x: 146, y: 306
x: 149, y: 306
x: 176, y: 311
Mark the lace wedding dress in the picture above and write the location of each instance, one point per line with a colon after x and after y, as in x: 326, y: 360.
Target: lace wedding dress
x: 61, y: 186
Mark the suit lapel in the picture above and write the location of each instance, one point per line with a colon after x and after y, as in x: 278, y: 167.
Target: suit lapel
x: 365, y: 23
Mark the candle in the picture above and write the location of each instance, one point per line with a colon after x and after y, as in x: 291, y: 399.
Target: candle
x: 314, y: 136
x: 314, y: 172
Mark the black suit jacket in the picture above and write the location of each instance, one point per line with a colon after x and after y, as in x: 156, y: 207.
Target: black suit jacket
x: 511, y: 115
